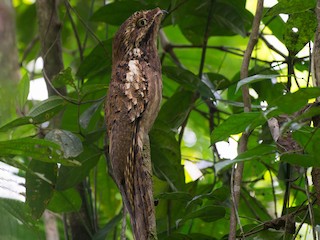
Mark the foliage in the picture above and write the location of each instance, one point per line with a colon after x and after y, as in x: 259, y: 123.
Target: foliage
x: 202, y: 98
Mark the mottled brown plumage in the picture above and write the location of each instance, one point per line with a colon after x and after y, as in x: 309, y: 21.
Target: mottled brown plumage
x: 132, y: 105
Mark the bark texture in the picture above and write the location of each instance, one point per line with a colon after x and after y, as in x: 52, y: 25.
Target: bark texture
x: 9, y: 65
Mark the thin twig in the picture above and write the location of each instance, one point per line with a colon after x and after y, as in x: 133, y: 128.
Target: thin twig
x: 238, y: 168
x: 74, y: 28
x: 310, y: 207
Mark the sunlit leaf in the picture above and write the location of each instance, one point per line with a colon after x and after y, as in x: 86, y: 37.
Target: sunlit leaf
x: 291, y: 6
x: 253, y: 79
x: 23, y: 89
x: 299, y: 98
x: 38, y: 149
x: 235, y: 124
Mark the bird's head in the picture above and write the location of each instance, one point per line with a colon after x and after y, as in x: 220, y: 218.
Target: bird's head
x: 139, y: 31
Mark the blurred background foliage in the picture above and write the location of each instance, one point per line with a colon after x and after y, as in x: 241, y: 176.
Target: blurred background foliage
x: 201, y: 46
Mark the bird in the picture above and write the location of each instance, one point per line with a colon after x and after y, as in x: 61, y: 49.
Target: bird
x: 131, y: 107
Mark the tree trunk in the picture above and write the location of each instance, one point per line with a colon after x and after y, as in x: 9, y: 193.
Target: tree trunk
x: 9, y: 70
x: 51, y: 52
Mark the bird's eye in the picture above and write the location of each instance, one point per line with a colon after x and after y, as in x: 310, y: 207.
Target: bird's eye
x: 142, y: 22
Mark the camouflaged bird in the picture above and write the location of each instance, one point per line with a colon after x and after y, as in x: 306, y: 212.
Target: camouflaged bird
x: 132, y: 105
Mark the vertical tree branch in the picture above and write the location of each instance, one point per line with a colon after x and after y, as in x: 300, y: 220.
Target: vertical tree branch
x: 238, y: 168
x: 51, y: 52
x: 9, y: 71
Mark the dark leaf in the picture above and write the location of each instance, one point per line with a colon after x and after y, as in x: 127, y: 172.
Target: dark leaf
x: 207, y: 214
x: 40, y: 181
x: 71, y: 176
x: 108, y: 228
x: 70, y: 144
x: 98, y: 60
x: 65, y: 201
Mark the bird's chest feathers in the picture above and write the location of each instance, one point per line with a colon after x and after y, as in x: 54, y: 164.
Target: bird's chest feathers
x: 138, y: 81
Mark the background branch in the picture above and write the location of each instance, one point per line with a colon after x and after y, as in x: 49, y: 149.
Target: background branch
x: 238, y: 168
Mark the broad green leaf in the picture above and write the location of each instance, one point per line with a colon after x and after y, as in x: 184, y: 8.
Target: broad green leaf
x: 175, y: 110
x: 292, y: 102
x: 227, y: 18
x: 206, y: 214
x: 70, y: 144
x: 182, y: 76
x: 175, y: 196
x: 219, y: 81
x: 299, y: 30
x: 46, y: 109
x: 308, y: 138
x: 260, y: 152
x: 165, y: 155
x: 38, y: 149
x: 87, y: 114
x: 23, y: 90
x: 65, y: 201
x: 292, y: 6
x: 253, y: 79
x: 218, y: 196
x: 235, y: 124
x: 18, y: 210
x: 98, y: 60
x: 40, y: 113
x: 189, y: 80
x: 117, y: 12
x: 40, y: 181
x: 303, y: 160
x: 71, y: 176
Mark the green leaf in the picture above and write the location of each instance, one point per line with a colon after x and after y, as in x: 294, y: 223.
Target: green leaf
x: 252, y: 79
x: 299, y: 98
x: 303, y: 160
x: 88, y: 113
x: 64, y: 78
x: 98, y: 60
x: 175, y: 196
x: 40, y: 181
x: 65, y: 201
x: 206, y: 214
x: 46, y: 109
x: 219, y: 81
x: 38, y: 149
x: 235, y: 124
x: 71, y: 176
x: 23, y: 90
x: 117, y: 12
x: 70, y: 144
x: 108, y: 228
x: 260, y: 152
x: 19, y: 210
x: 40, y: 113
x: 299, y: 30
x: 292, y: 6
x: 227, y: 18
x: 182, y: 76
x: 165, y: 155
x: 175, y: 110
